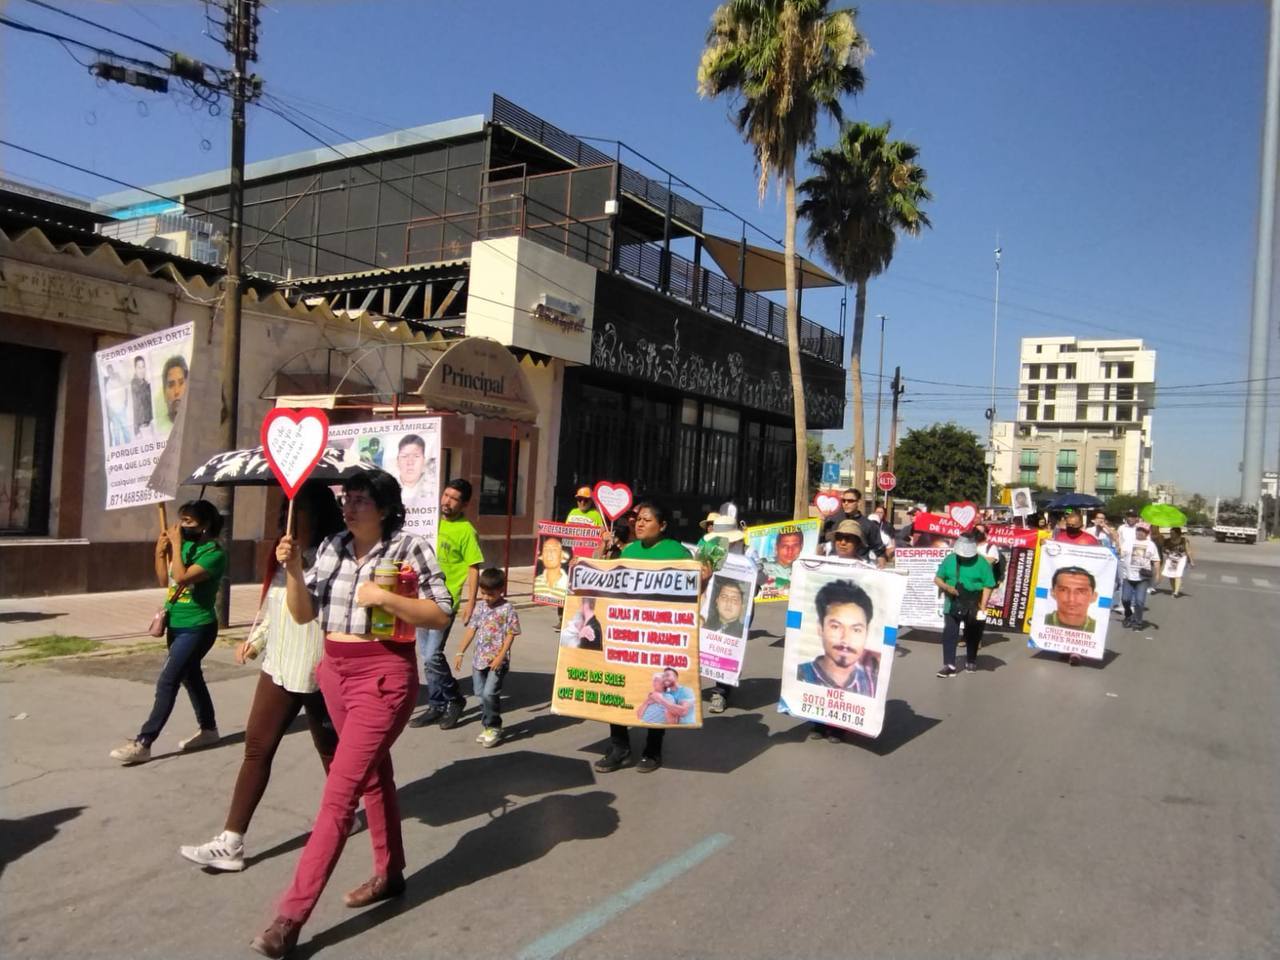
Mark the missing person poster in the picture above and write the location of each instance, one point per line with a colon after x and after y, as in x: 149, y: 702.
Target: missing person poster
x: 842, y: 628
x: 778, y: 545
x: 557, y: 544
x: 726, y: 619
x: 1074, y: 585
x: 1007, y: 606
x: 409, y: 450
x: 143, y: 386
x: 629, y: 644
x: 1021, y: 502
x: 921, y: 607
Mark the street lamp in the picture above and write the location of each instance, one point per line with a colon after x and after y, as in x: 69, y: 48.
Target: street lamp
x: 991, y: 411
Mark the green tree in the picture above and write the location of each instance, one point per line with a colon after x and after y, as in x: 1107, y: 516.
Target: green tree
x: 867, y: 189
x: 940, y: 464
x: 1117, y: 506
x: 784, y: 62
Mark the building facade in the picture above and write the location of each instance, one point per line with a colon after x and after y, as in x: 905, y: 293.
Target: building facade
x: 1083, y: 421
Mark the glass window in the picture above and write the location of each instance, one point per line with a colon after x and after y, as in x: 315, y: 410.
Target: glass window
x: 360, y: 249
x: 495, y: 472
x: 394, y: 202
x: 428, y: 195
x: 1106, y: 460
x: 1039, y: 348
x: 1050, y: 392
x: 1033, y: 371
x: 1125, y: 370
x: 1033, y: 392
x: 1029, y: 458
x: 362, y: 206
x: 1067, y: 458
x: 1030, y: 412
x: 28, y: 406
x: 333, y: 211
x: 1070, y: 370
x: 1050, y: 412
x: 426, y: 161
x: 1051, y: 371
x: 1028, y: 476
x: 1082, y: 411
x: 1066, y: 481
x: 1124, y: 391
x: 1106, y: 484
x: 471, y: 152
x: 1124, y: 413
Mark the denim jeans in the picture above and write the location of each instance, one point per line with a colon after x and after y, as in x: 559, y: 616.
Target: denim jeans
x: 951, y: 637
x: 442, y: 685
x: 487, y: 685
x: 187, y: 647
x: 1133, y: 595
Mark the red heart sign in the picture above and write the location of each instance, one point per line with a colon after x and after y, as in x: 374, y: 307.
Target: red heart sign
x: 613, y: 499
x: 827, y: 502
x: 293, y: 442
x: 964, y: 513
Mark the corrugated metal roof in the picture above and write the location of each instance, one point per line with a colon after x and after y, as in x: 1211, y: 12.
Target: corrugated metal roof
x: 378, y: 272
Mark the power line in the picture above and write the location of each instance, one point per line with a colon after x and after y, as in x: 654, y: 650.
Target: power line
x: 104, y: 28
x: 101, y: 51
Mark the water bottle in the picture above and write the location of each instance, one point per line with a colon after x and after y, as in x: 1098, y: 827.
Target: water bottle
x: 382, y: 622
x: 406, y: 586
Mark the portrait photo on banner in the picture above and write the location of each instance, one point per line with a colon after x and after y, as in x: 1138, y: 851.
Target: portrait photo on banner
x: 779, y: 545
x: 842, y: 627
x: 409, y: 450
x: 1074, y: 588
x: 726, y: 605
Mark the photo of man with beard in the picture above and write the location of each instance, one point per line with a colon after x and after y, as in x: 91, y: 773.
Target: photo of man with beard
x: 844, y: 618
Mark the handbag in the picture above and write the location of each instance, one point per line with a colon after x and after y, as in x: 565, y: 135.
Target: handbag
x: 160, y: 619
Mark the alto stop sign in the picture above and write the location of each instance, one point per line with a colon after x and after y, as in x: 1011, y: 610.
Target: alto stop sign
x: 886, y: 481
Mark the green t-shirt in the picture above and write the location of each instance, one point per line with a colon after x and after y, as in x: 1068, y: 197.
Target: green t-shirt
x: 577, y: 516
x: 664, y: 549
x: 971, y: 576
x: 197, y: 605
x: 458, y: 550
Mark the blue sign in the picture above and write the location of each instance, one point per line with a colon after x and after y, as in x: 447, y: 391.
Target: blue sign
x: 830, y: 473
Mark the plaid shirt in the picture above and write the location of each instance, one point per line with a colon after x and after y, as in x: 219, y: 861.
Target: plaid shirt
x: 334, y: 577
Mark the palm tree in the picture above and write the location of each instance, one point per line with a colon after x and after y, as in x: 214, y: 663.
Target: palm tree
x: 867, y: 189
x: 784, y: 62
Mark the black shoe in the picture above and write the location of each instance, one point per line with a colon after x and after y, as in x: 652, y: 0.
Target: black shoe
x: 834, y: 735
x: 971, y: 666
x: 946, y: 673
x: 1128, y: 622
x: 613, y: 761
x: 451, y: 714
x: 427, y: 717
x: 1073, y: 659
x: 817, y: 732
x: 648, y: 764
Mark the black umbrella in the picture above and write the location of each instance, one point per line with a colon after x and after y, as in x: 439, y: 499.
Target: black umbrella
x: 248, y: 468
x: 1074, y: 501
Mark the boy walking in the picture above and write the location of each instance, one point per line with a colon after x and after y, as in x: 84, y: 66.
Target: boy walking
x: 493, y: 626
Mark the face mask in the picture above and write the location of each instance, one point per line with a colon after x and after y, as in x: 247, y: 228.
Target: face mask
x: 190, y: 533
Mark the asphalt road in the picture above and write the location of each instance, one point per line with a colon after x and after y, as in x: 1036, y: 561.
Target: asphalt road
x: 1033, y: 809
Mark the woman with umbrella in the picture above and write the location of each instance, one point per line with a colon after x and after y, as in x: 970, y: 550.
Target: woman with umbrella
x: 1176, y: 550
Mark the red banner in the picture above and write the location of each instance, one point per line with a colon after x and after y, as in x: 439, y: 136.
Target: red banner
x: 1006, y: 535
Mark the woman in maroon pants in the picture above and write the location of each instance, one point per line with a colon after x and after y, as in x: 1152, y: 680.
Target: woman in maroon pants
x: 370, y: 686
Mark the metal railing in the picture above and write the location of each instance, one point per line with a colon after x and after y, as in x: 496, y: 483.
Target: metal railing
x: 574, y: 150
x: 715, y: 294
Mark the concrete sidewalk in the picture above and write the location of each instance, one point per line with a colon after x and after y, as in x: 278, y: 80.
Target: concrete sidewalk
x: 120, y: 619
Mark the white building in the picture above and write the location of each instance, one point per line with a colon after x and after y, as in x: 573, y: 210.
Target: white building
x: 1083, y: 420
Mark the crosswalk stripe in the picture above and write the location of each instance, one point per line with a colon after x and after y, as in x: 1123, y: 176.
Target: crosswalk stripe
x: 1199, y: 576
x: 1261, y: 582
x: 1226, y: 578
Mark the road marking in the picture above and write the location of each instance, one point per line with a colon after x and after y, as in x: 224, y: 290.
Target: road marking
x: 1227, y: 578
x: 562, y: 938
x: 1260, y: 582
x: 1199, y: 576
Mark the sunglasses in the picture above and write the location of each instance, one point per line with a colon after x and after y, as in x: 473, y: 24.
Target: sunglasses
x: 848, y: 500
x: 845, y: 538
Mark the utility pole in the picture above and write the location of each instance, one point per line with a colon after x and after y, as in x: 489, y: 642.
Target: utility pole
x: 897, y: 390
x: 991, y: 410
x: 879, y: 394
x: 1264, y: 307
x: 242, y: 43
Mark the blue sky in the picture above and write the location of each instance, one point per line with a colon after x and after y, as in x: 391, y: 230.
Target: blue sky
x: 1114, y: 147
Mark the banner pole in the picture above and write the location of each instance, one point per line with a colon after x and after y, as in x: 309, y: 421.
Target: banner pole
x: 511, y: 482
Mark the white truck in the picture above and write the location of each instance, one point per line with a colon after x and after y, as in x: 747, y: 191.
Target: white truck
x: 1237, y: 520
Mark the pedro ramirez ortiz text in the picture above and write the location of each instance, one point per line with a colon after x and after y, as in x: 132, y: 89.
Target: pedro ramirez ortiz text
x: 626, y: 581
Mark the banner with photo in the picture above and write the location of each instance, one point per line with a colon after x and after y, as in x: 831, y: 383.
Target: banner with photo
x: 727, y: 605
x: 1041, y: 537
x: 921, y: 603
x: 842, y: 629
x: 629, y: 644
x: 409, y: 450
x: 143, y: 388
x: 556, y: 545
x: 1007, y: 606
x: 778, y: 545
x: 1074, y: 586
x: 1021, y: 502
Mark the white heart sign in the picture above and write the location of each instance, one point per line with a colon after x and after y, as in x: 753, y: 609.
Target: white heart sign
x: 827, y: 503
x: 963, y: 513
x: 293, y: 442
x: 613, y: 499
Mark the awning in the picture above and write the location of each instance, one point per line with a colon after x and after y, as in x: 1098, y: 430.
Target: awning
x: 479, y: 376
x: 764, y: 266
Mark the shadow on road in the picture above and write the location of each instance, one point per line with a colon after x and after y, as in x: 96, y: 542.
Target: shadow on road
x: 512, y: 839
x: 1107, y: 657
x: 19, y: 837
x: 753, y: 693
x: 27, y: 616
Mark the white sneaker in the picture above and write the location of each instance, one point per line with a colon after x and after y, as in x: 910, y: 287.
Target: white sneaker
x: 490, y: 737
x: 481, y: 735
x: 205, y: 738
x: 131, y: 752
x: 220, y: 853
